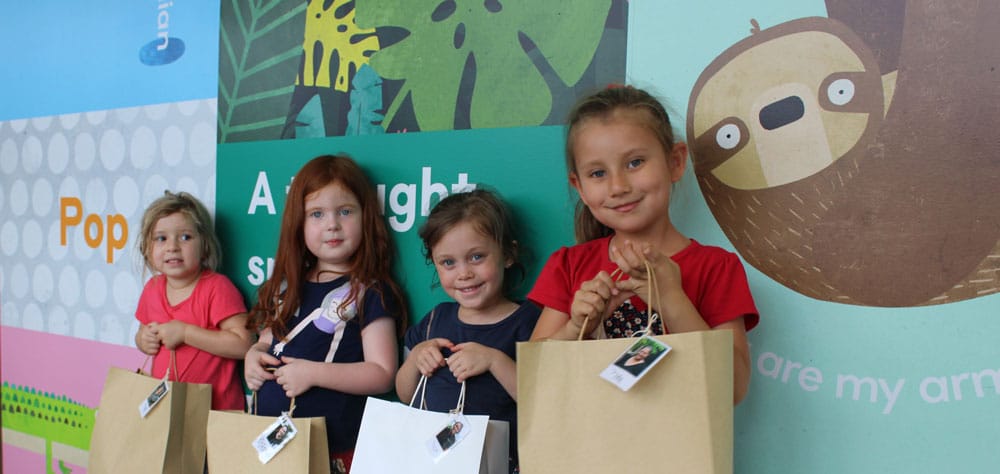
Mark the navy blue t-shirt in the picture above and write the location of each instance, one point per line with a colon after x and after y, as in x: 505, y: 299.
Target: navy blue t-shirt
x: 326, y: 333
x: 484, y: 395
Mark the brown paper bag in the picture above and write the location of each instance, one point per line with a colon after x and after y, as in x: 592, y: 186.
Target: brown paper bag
x: 677, y: 418
x: 170, y: 439
x: 230, y: 445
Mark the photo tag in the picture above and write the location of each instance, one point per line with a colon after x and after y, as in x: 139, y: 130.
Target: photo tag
x: 275, y: 437
x: 158, y: 393
x: 634, y: 363
x: 448, y: 436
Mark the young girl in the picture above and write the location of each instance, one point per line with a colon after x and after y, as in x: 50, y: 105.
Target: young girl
x: 330, y: 312
x: 623, y: 160
x: 469, y: 239
x: 186, y: 307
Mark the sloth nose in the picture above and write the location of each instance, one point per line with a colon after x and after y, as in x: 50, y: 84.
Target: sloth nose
x: 781, y: 112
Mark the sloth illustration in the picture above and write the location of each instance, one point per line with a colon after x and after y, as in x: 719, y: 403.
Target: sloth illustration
x: 855, y: 170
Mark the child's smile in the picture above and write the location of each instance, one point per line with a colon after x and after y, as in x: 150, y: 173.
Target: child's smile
x: 470, y: 267
x: 624, y: 175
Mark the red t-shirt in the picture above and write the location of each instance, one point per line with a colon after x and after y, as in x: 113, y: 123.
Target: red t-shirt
x: 213, y: 300
x: 713, y: 279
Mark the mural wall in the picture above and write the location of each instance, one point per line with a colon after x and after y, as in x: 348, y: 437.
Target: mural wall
x: 841, y: 148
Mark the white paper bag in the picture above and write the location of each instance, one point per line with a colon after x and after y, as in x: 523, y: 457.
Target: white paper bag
x: 393, y: 439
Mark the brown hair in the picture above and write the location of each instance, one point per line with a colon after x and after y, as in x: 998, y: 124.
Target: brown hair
x: 604, y: 104
x: 370, y: 266
x: 195, y: 211
x: 488, y: 215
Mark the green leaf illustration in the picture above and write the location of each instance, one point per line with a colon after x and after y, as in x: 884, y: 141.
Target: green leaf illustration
x: 444, y: 36
x: 366, y: 100
x: 260, y: 48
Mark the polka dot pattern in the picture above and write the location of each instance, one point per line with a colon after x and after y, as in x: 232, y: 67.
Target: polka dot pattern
x: 87, y: 166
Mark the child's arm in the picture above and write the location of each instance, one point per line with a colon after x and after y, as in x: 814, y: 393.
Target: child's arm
x: 231, y: 340
x: 470, y: 359
x: 258, y: 360
x: 372, y: 376
x: 424, y: 359
x: 147, y: 340
x: 592, y: 304
x: 678, y: 312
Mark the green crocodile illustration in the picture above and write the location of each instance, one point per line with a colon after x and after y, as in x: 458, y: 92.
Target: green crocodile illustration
x: 49, y: 416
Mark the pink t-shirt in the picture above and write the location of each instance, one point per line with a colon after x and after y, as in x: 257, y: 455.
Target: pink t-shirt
x: 213, y: 300
x: 712, y: 278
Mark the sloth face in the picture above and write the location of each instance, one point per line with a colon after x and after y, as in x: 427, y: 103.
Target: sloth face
x: 782, y: 106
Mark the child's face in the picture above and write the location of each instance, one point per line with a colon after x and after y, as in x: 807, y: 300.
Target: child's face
x: 176, y: 248
x: 470, y: 267
x: 623, y: 174
x: 332, y: 227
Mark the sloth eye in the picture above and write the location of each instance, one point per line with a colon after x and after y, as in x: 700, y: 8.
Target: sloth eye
x: 728, y: 136
x: 840, y: 92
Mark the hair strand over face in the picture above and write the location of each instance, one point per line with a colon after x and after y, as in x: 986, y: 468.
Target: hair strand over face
x: 370, y: 266
x: 488, y: 215
x: 189, y: 206
x: 617, y: 102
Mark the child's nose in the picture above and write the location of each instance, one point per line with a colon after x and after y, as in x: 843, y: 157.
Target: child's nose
x: 465, y: 272
x: 620, y: 183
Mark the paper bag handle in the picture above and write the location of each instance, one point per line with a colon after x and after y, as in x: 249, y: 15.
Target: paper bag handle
x: 173, y: 362
x: 655, y: 302
x: 422, y: 388
x: 615, y: 275
x: 253, y: 404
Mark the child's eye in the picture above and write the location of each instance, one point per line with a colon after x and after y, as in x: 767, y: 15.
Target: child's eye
x: 476, y: 257
x: 447, y: 262
x: 159, y: 238
x: 346, y: 212
x: 597, y: 174
x: 635, y: 163
x: 316, y: 214
x: 186, y: 237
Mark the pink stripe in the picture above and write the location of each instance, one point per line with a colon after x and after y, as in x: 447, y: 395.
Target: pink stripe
x: 21, y: 460
x: 60, y: 364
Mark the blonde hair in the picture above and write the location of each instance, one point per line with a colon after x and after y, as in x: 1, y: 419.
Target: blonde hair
x: 195, y: 211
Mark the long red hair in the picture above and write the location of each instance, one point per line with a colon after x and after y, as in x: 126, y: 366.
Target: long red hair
x: 370, y: 267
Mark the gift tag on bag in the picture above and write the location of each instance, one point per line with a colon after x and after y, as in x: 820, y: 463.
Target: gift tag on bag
x: 448, y: 436
x: 635, y: 362
x: 158, y: 393
x: 275, y: 437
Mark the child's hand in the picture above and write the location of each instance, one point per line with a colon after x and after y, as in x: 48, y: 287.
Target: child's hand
x: 147, y: 339
x: 470, y: 359
x: 631, y: 258
x: 295, y: 377
x: 172, y: 333
x: 255, y: 366
x: 594, y: 301
x: 427, y: 355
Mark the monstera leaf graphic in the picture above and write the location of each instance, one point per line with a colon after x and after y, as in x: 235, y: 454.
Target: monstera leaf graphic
x: 260, y: 47
x: 445, y: 36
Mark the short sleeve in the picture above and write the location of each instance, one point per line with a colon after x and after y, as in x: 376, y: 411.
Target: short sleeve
x: 552, y: 288
x: 729, y: 296
x: 224, y: 300
x: 416, y: 334
x: 380, y: 302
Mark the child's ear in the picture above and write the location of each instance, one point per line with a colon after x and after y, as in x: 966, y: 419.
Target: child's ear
x: 678, y: 161
x: 510, y: 259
